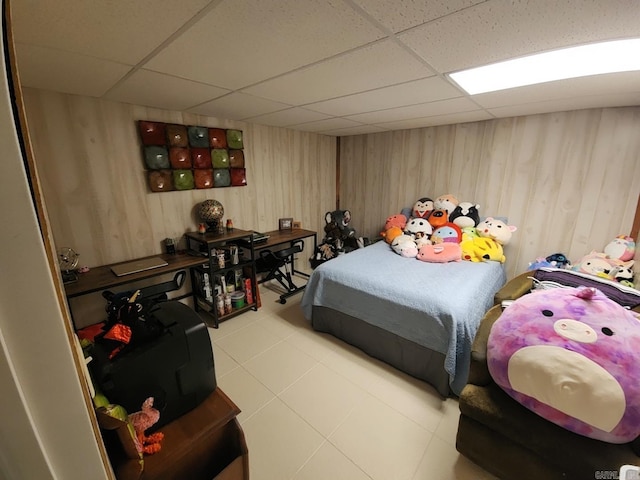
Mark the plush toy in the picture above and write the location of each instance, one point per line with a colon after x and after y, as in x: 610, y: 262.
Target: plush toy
x: 598, y: 264
x: 539, y: 263
x: 337, y: 227
x: 421, y: 238
x: 446, y: 202
x: 558, y: 260
x: 621, y: 248
x: 441, y: 253
x: 391, y: 233
x: 465, y: 215
x: 438, y: 217
x: 570, y: 355
x: 449, y: 232
x: 326, y: 251
x: 398, y: 220
x: 496, y: 229
x: 144, y: 420
x: 114, y: 417
x: 422, y: 208
x: 469, y: 233
x: 339, y: 234
x: 416, y: 225
x: 482, y: 249
x: 624, y: 273
x: 405, y: 246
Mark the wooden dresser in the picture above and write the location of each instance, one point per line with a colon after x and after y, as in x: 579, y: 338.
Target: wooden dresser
x: 205, y: 443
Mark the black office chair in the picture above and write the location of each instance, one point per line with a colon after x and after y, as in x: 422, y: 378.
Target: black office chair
x: 278, y: 265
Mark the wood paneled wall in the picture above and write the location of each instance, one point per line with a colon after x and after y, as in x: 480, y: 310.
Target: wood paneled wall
x: 569, y: 181
x: 90, y: 164
x: 89, y: 157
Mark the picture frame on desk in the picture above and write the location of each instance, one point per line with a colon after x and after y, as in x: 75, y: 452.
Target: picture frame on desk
x: 285, y: 224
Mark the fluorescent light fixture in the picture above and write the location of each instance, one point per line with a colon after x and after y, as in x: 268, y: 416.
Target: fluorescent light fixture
x: 593, y: 59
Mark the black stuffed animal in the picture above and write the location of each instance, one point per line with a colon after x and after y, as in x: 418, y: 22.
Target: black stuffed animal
x: 338, y: 232
x: 339, y: 237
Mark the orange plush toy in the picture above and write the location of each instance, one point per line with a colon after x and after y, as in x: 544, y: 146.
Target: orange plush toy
x: 393, y: 227
x: 142, y: 421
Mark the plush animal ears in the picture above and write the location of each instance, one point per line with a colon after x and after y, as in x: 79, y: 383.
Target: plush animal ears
x: 330, y: 216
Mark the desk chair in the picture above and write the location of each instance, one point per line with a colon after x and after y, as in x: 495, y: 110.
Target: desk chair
x: 278, y: 266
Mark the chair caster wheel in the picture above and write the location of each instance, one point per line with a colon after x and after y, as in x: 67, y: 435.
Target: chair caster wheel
x: 283, y: 301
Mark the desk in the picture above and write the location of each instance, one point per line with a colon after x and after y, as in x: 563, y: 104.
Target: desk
x: 102, y: 278
x: 280, y: 239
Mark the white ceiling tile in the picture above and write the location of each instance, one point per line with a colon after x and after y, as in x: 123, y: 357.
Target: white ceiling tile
x: 419, y: 91
x: 66, y: 72
x: 117, y: 30
x: 291, y: 116
x: 501, y: 29
x: 353, y: 72
x: 163, y: 91
x: 575, y: 87
x: 567, y: 104
x: 328, y: 124
x: 455, y: 105
x: 293, y: 63
x: 448, y: 119
x: 403, y: 14
x: 238, y: 106
x: 242, y: 42
x: 359, y: 130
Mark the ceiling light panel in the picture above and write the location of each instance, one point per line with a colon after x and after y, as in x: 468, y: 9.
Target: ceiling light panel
x: 574, y: 62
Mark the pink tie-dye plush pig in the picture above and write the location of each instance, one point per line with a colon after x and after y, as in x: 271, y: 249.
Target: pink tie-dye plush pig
x: 571, y: 356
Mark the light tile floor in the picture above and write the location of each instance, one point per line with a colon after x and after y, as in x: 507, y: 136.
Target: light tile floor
x: 316, y: 408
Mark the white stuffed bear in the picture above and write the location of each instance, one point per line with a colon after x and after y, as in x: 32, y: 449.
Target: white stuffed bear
x: 496, y: 230
x: 405, y: 246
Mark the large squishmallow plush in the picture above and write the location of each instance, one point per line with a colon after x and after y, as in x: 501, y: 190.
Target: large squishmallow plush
x: 571, y: 356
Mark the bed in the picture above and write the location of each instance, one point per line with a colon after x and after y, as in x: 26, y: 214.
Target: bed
x: 418, y: 317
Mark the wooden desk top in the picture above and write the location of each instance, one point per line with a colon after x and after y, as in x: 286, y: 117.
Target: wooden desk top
x: 226, y: 236
x: 277, y: 237
x: 102, y: 278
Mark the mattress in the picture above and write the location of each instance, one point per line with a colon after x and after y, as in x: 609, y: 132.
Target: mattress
x: 435, y: 306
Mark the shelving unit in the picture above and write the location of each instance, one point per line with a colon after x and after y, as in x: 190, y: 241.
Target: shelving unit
x: 204, y: 278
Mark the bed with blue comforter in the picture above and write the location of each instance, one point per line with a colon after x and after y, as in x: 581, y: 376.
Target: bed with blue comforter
x: 419, y: 317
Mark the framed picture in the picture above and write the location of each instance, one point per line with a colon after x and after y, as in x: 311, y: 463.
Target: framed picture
x: 297, y: 224
x: 285, y: 223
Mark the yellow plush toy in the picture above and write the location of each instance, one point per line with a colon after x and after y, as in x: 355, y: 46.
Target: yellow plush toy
x: 482, y: 249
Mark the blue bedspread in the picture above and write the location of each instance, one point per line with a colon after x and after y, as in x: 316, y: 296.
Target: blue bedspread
x: 438, y: 306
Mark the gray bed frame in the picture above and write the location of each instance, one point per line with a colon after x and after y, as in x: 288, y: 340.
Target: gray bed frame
x: 403, y: 354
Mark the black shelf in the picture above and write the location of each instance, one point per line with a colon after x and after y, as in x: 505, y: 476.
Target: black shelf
x: 206, y: 245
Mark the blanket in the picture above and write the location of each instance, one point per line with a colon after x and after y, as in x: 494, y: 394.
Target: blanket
x: 436, y: 305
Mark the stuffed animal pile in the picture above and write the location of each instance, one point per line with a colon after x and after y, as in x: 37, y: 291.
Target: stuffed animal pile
x: 614, y: 263
x: 446, y: 230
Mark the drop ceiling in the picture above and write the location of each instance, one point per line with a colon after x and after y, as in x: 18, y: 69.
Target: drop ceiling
x: 334, y: 67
